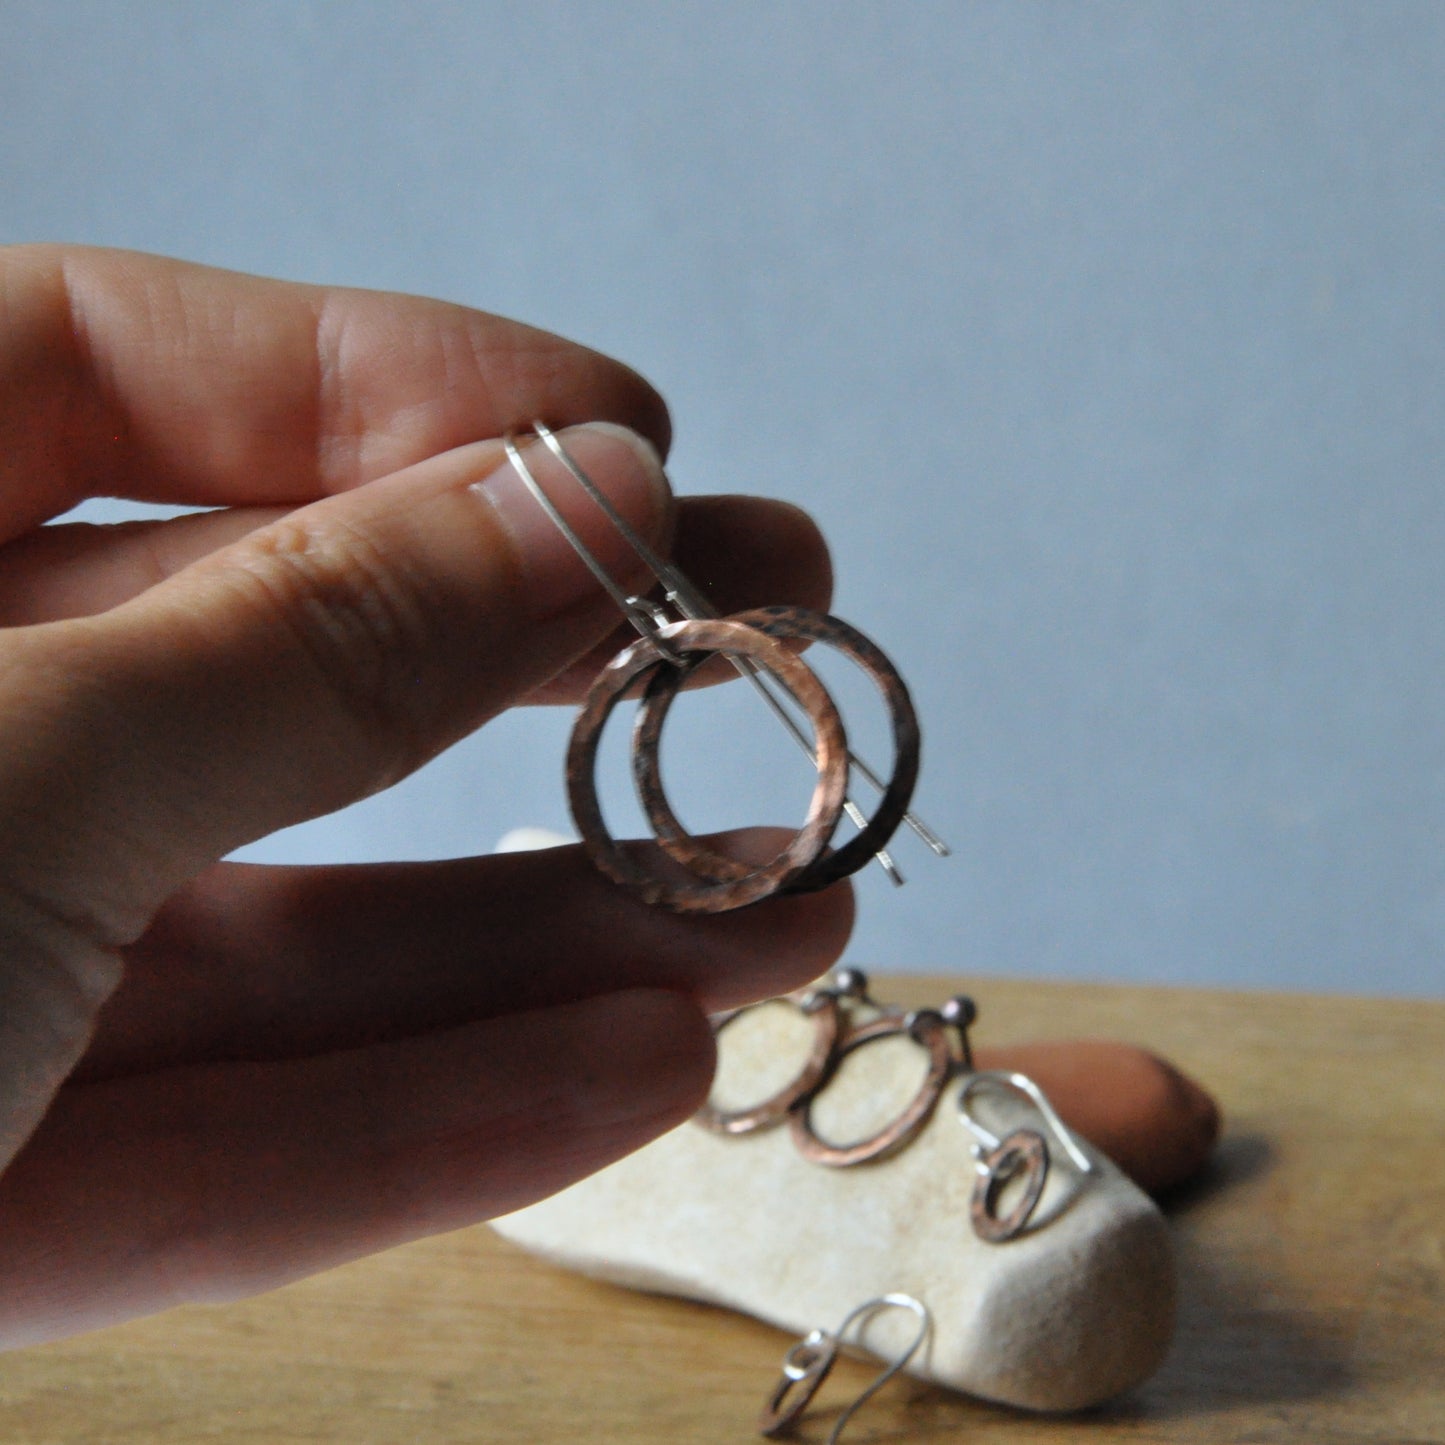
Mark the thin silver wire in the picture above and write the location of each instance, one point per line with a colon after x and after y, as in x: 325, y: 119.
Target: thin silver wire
x: 691, y: 604
x: 1026, y: 1086
x: 644, y: 619
x: 867, y: 1311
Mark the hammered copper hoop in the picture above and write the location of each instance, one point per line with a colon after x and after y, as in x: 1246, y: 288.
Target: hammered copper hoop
x: 1022, y: 1151
x: 926, y: 1029
x: 824, y: 1009
x: 701, y: 894
x: 783, y: 622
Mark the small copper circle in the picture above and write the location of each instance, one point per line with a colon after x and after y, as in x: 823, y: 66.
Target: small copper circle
x: 823, y: 1009
x: 705, y: 895
x: 781, y: 623
x: 1024, y: 1152
x: 933, y: 1037
x: 805, y: 1367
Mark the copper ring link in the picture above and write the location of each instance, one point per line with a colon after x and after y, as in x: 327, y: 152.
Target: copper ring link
x: 1022, y: 1151
x: 805, y: 1367
x: 784, y: 622
x: 823, y: 1008
x: 705, y: 895
x: 927, y: 1029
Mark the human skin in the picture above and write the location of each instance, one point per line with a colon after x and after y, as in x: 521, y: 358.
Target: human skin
x: 222, y: 1076
x: 215, y: 1078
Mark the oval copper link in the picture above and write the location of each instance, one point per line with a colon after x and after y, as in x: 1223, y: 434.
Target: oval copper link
x: 941, y: 1067
x: 705, y: 895
x: 823, y: 1008
x: 785, y: 622
x: 1025, y: 1150
x: 805, y: 1367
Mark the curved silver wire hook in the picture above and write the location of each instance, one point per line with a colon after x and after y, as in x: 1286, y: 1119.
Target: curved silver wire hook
x: 1026, y: 1086
x: 808, y: 1363
x: 647, y: 618
x: 690, y: 604
x: 887, y: 1301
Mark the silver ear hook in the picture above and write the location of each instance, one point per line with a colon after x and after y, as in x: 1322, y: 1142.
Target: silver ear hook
x: 1026, y: 1086
x: 645, y: 617
x: 691, y: 605
x: 808, y: 1363
x: 1019, y: 1159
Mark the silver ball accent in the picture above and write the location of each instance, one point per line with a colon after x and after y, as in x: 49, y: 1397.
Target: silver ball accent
x: 960, y: 1011
x: 851, y: 982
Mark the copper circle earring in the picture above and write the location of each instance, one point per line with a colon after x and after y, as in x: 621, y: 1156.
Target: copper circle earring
x: 703, y: 894
x: 928, y: 1029
x: 1021, y: 1155
x: 669, y: 649
x: 822, y: 1007
x: 783, y: 623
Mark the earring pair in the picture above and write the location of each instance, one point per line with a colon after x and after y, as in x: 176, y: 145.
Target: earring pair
x: 833, y: 1011
x: 1014, y: 1166
x: 671, y: 646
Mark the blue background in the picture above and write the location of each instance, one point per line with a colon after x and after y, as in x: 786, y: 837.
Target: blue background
x: 1106, y: 342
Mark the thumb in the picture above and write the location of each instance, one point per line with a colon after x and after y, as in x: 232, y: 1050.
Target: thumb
x: 317, y: 660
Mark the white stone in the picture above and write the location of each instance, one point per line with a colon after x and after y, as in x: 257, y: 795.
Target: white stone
x: 1073, y: 1311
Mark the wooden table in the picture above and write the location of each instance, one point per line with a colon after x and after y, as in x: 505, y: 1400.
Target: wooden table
x: 1312, y: 1260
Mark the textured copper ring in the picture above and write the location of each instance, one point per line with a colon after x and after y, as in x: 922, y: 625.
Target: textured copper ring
x: 927, y: 1029
x: 784, y: 622
x: 823, y: 1008
x: 704, y: 895
x: 1022, y: 1151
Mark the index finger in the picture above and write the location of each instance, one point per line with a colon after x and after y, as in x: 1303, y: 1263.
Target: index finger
x: 123, y: 374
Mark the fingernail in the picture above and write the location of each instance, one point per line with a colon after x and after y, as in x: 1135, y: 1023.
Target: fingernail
x: 625, y: 469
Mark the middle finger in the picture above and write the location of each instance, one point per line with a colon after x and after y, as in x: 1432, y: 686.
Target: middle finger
x: 266, y: 962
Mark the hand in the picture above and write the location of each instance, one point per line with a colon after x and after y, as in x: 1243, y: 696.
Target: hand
x: 215, y: 1078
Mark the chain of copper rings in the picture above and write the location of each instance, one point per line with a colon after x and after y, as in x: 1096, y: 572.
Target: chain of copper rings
x: 661, y: 664
x: 1022, y: 1155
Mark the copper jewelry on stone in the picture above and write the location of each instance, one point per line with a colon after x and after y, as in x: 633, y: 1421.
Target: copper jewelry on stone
x: 942, y: 1033
x: 1014, y: 1166
x: 669, y: 649
x: 1022, y: 1156
x: 930, y: 1030
x: 824, y: 1007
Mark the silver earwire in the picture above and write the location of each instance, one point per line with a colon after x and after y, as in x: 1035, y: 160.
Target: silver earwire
x: 887, y: 1301
x: 691, y: 605
x: 646, y: 617
x: 820, y: 1348
x: 1023, y: 1084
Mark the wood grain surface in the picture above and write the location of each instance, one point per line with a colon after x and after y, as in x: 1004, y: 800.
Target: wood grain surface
x: 1312, y: 1260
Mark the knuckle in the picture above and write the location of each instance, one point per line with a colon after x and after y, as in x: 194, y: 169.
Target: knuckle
x: 362, y: 624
